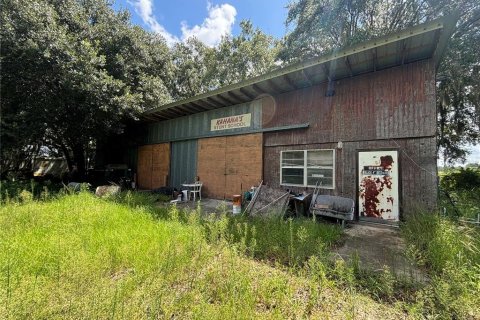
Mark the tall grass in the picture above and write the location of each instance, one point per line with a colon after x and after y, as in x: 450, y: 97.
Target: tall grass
x: 80, y: 257
x: 15, y: 191
x: 78, y: 250
x: 451, y: 254
x: 290, y: 242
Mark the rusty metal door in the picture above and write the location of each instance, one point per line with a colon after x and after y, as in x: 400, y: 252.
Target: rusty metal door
x: 378, y: 185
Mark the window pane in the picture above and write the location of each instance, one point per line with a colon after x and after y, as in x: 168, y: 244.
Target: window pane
x: 320, y: 158
x: 292, y: 176
x: 292, y: 159
x: 323, y: 176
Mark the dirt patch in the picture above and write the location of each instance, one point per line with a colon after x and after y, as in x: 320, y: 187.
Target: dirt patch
x: 377, y: 246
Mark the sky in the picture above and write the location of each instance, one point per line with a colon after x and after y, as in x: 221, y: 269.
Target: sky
x: 209, y: 20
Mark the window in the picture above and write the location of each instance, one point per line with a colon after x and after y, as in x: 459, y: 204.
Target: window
x: 306, y: 167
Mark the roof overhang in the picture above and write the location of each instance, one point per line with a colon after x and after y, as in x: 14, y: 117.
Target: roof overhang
x: 424, y: 41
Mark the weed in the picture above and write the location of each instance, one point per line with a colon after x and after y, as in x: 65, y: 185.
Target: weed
x: 79, y: 256
x: 450, y: 253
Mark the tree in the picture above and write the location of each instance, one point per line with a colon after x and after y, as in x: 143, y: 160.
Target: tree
x: 71, y: 71
x: 321, y: 26
x: 193, y: 62
x: 199, y: 68
x: 247, y: 55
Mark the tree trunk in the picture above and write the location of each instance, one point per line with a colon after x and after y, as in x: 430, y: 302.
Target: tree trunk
x: 79, y: 161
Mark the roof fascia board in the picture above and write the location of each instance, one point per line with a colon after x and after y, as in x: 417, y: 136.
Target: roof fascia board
x: 448, y: 29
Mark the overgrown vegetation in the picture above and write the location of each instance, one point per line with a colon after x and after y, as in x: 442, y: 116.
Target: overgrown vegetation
x: 460, y: 193
x: 450, y: 254
x: 123, y: 257
x: 83, y: 257
x: 14, y: 191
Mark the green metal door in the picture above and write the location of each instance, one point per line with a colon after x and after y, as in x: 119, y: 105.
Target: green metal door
x: 183, y: 163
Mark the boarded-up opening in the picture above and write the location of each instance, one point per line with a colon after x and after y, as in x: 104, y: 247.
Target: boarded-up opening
x: 153, y: 166
x: 229, y: 165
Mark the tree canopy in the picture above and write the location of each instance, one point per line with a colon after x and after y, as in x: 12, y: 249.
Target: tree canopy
x: 71, y: 71
x: 74, y: 71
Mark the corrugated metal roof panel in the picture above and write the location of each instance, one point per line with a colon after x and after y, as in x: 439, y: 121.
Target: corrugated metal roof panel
x: 424, y: 41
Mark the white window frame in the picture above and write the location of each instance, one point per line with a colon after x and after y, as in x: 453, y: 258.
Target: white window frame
x: 305, y: 168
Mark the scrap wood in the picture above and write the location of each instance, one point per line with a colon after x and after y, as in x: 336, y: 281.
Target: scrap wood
x: 269, y: 198
x: 254, y: 198
x: 273, y: 202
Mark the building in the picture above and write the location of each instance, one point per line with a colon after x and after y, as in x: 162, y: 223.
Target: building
x: 361, y: 122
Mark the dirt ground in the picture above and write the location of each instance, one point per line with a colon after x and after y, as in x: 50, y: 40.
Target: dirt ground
x: 377, y: 246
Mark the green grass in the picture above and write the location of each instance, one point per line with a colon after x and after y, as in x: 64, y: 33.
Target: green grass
x: 80, y: 257
x: 15, y: 191
x: 460, y: 193
x: 74, y: 256
x: 289, y: 242
x: 450, y: 253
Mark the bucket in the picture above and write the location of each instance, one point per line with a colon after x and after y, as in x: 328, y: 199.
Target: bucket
x: 185, y: 195
x: 237, y: 203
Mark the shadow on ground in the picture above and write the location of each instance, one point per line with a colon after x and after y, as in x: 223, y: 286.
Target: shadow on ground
x: 206, y: 205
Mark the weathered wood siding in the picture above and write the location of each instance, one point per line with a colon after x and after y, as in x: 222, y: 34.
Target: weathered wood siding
x: 229, y: 165
x: 393, y: 103
x: 417, y: 162
x: 393, y: 108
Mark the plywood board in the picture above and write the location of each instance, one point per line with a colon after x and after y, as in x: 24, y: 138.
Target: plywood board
x: 211, y: 166
x: 160, y: 164
x: 144, y: 167
x: 230, y: 165
x: 153, y: 165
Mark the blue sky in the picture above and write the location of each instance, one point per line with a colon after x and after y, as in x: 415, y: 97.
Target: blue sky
x: 207, y: 20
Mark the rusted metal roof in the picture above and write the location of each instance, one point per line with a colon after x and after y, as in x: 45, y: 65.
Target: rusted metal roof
x: 420, y: 42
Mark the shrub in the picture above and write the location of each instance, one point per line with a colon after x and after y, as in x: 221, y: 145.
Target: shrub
x: 460, y: 193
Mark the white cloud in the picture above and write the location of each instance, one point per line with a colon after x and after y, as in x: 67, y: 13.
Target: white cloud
x: 218, y: 23
x: 144, y: 9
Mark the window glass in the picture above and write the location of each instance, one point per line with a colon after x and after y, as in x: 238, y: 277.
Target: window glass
x: 307, y: 168
x: 293, y: 159
x: 292, y: 176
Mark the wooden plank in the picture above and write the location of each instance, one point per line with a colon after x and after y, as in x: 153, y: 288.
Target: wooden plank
x: 160, y: 165
x: 211, y: 166
x: 244, y: 163
x: 230, y: 165
x: 144, y: 167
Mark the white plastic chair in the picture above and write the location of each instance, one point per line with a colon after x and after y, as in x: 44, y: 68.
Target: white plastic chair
x: 197, y: 188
